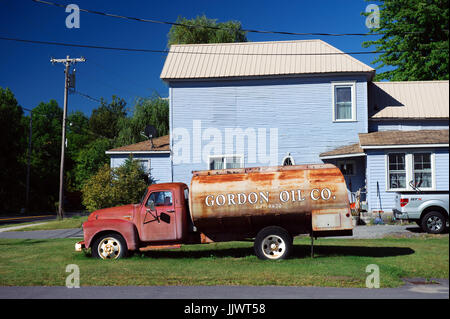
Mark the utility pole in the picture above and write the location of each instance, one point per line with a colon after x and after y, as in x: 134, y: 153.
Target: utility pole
x: 27, y: 198
x: 67, y: 62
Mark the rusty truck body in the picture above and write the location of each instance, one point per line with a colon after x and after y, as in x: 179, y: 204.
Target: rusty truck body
x: 268, y: 204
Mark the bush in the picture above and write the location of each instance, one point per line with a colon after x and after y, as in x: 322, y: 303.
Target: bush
x: 114, y: 186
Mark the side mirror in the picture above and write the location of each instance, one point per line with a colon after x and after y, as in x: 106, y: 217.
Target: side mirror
x: 165, y: 218
x: 151, y: 204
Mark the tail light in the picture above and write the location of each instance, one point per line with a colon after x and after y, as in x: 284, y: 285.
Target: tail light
x: 403, y: 202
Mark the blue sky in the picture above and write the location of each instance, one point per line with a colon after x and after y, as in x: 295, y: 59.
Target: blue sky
x: 27, y: 71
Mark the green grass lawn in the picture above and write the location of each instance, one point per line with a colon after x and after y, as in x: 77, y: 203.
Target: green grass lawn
x: 338, y: 263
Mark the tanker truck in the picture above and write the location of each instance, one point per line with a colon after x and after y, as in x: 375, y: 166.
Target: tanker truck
x: 269, y: 205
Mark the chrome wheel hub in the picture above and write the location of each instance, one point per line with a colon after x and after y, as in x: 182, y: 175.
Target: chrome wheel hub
x: 109, y: 248
x: 273, y: 247
x: 434, y: 223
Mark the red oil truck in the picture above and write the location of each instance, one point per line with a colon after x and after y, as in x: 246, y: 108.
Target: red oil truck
x: 268, y: 204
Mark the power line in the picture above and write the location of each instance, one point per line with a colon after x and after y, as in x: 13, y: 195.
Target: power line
x: 82, y: 45
x: 86, y: 96
x: 194, y: 52
x: 219, y: 28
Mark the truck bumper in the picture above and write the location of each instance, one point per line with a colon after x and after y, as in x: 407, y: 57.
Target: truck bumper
x: 400, y: 215
x: 79, y: 246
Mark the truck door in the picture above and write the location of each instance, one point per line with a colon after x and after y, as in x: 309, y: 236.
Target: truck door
x: 158, y: 218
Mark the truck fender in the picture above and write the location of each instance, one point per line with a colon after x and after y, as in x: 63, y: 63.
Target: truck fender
x: 125, y: 228
x: 432, y: 203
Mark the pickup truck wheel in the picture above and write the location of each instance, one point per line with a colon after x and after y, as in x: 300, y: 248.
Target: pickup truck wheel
x: 109, y: 246
x: 433, y: 223
x: 273, y: 243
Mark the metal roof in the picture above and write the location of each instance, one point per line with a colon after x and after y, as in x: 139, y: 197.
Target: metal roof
x: 409, y: 100
x: 251, y: 59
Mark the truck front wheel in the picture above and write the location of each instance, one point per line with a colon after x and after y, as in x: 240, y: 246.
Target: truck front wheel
x: 109, y: 246
x: 273, y: 243
x: 433, y: 222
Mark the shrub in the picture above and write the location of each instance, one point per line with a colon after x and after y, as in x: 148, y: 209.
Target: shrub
x: 114, y: 186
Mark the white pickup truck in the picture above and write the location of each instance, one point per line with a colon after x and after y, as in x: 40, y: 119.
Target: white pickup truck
x: 428, y: 209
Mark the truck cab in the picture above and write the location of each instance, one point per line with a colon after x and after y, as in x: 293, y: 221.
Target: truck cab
x: 160, y: 219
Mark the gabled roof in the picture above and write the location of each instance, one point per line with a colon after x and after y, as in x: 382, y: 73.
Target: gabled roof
x: 390, y: 139
x: 409, y: 100
x: 161, y: 144
x: 252, y: 59
x: 343, y: 151
x: 403, y: 138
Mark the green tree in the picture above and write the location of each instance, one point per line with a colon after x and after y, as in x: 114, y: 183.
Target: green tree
x: 78, y: 138
x: 114, y: 186
x: 130, y: 182
x: 46, y: 155
x: 204, y: 30
x: 78, y: 133
x: 98, y: 191
x: 104, y: 121
x: 90, y: 159
x: 12, y: 148
x: 414, y: 40
x: 147, y: 111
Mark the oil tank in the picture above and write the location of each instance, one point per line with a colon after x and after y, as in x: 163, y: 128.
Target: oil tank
x: 299, y: 198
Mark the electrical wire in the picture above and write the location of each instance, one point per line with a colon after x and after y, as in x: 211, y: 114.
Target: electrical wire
x: 219, y: 28
x: 194, y: 52
x: 86, y: 96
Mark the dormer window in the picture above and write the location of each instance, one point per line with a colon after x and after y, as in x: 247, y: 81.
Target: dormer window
x: 344, y: 104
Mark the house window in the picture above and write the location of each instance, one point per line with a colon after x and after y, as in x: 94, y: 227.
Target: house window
x: 145, y: 164
x: 347, y: 168
x: 405, y: 171
x: 288, y: 160
x: 226, y: 161
x: 397, y: 170
x: 344, y: 106
x: 422, y: 170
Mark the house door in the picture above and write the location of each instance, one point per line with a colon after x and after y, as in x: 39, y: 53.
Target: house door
x: 158, y: 217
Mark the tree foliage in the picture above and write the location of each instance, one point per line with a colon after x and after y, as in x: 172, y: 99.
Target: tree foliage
x: 45, y: 155
x: 147, y: 111
x: 78, y: 138
x: 204, y: 30
x: 414, y: 40
x: 88, y: 138
x: 114, y: 186
x: 104, y: 121
x: 12, y: 145
x: 90, y: 158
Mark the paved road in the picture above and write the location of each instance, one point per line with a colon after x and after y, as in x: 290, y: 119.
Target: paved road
x: 9, y: 220
x: 408, y: 291
x: 43, y: 234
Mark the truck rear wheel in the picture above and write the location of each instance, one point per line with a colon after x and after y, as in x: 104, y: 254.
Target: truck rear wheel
x: 109, y: 246
x: 273, y: 243
x: 433, y: 222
